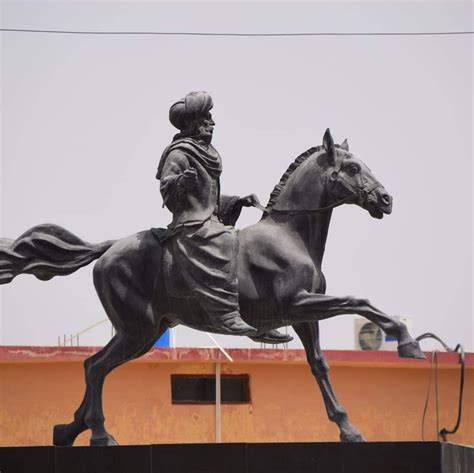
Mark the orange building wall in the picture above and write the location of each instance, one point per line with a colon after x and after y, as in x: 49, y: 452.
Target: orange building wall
x: 383, y: 395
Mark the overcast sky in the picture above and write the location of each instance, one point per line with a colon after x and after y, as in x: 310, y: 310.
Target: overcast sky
x: 85, y: 119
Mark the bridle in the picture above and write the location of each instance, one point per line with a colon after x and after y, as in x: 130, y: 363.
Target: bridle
x: 359, y: 194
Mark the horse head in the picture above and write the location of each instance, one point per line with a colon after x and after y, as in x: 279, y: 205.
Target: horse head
x: 350, y: 180
x: 324, y: 177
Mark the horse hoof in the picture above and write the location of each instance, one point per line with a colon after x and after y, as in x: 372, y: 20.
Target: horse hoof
x: 354, y: 436
x: 411, y: 350
x: 61, y: 436
x: 107, y: 441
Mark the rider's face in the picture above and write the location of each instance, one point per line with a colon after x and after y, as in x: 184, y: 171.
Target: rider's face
x: 205, y: 127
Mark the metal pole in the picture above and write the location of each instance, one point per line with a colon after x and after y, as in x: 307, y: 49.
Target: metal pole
x: 218, y: 402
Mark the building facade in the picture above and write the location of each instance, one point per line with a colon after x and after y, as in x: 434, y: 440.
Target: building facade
x: 167, y: 396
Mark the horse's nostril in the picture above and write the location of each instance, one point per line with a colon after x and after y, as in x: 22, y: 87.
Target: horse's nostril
x: 386, y: 199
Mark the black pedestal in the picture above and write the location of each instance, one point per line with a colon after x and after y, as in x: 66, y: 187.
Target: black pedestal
x: 376, y: 457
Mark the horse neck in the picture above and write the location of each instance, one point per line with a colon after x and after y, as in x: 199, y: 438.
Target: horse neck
x: 306, y: 189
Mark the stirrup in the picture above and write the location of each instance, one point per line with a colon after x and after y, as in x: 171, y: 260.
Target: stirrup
x: 272, y: 337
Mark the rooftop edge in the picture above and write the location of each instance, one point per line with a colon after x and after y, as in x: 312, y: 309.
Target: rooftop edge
x: 49, y: 354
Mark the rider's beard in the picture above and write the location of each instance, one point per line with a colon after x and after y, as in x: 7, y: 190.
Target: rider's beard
x: 198, y: 131
x: 204, y: 134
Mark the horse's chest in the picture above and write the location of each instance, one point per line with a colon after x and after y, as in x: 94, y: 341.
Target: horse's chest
x: 307, y: 276
x: 319, y: 282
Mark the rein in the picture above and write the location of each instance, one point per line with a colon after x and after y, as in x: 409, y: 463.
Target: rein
x: 362, y: 193
x: 304, y: 211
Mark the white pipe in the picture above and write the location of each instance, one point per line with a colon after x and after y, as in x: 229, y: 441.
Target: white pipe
x: 220, y: 348
x: 70, y: 340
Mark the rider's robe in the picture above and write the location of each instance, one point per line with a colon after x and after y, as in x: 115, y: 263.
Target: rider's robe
x: 203, y: 242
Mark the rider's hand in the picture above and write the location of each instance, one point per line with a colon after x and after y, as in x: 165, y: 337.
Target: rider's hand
x: 189, y: 178
x: 249, y: 201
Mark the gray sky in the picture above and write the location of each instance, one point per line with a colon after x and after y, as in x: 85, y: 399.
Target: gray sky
x: 85, y: 119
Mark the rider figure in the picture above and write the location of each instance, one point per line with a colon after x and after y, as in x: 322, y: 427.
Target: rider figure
x: 204, y: 243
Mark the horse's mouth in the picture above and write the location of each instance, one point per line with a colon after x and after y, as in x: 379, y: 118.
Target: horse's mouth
x: 380, y: 206
x: 376, y: 212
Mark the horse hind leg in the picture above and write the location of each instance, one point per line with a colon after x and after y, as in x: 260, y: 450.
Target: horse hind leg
x: 309, y: 335
x: 125, y: 279
x: 64, y: 435
x: 124, y: 348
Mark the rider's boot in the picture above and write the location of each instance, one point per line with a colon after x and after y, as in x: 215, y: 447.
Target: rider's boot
x: 233, y: 324
x: 273, y: 337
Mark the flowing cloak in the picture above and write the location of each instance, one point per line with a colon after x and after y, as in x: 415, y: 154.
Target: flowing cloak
x: 200, y: 258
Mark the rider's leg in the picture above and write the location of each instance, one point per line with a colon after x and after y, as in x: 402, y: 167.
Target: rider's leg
x: 206, y: 256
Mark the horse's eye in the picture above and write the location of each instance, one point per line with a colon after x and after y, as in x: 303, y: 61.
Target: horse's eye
x: 354, y: 169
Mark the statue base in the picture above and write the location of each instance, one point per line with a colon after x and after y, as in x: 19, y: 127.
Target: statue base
x: 324, y: 457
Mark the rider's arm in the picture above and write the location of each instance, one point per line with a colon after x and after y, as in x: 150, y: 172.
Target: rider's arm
x: 171, y: 185
x: 230, y: 207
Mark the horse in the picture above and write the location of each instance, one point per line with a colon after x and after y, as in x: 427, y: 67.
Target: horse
x: 280, y: 279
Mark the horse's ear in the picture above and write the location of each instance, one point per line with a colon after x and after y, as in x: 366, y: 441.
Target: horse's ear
x: 345, y: 145
x: 328, y: 144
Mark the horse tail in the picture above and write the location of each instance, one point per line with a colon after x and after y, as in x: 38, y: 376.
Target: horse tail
x: 46, y: 251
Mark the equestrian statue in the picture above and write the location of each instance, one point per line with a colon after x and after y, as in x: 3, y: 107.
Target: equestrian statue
x: 203, y: 273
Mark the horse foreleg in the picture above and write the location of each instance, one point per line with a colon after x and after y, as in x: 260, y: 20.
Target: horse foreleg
x: 307, y: 304
x: 309, y: 335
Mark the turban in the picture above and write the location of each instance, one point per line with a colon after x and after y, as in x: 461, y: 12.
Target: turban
x: 186, y: 110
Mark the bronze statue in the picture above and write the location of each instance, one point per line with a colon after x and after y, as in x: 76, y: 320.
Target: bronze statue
x: 280, y: 281
x: 201, y: 246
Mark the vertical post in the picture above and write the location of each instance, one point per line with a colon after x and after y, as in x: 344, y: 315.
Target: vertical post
x: 218, y: 402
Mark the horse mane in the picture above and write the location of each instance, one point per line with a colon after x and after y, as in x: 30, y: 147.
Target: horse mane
x: 291, y: 169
